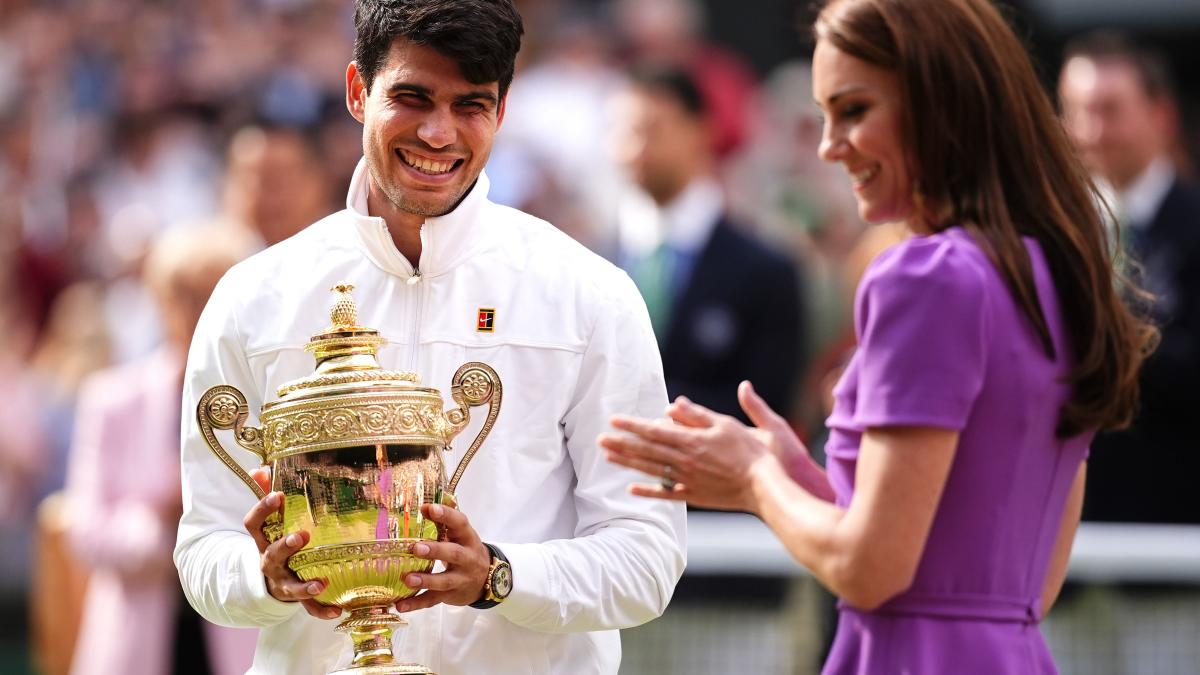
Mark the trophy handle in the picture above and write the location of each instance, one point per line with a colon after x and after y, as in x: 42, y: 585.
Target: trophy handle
x: 224, y: 407
x: 474, y: 384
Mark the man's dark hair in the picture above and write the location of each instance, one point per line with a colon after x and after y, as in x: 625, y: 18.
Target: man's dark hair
x: 1150, y: 65
x: 481, y: 36
x: 676, y: 83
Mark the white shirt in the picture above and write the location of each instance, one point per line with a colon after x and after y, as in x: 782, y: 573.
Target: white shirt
x: 572, y: 345
x: 1141, y: 200
x: 685, y: 223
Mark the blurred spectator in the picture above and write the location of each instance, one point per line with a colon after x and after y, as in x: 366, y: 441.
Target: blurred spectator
x: 163, y: 172
x: 724, y: 306
x: 40, y: 416
x: 339, y: 140
x: 74, y: 345
x: 22, y: 445
x: 568, y: 177
x: 23, y: 197
x: 124, y: 491
x: 275, y: 184
x: 1119, y: 107
x: 671, y: 33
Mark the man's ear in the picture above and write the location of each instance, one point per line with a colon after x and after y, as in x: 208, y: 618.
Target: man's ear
x: 500, y: 111
x: 356, y: 92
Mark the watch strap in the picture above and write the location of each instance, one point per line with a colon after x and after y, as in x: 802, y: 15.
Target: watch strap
x: 487, y: 602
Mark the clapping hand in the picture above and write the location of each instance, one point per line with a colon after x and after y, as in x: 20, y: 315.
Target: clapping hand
x: 702, y: 457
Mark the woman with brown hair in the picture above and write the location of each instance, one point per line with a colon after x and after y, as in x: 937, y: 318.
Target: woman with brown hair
x: 991, y: 345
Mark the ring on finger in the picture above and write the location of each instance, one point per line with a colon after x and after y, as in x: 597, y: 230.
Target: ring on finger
x: 668, y: 481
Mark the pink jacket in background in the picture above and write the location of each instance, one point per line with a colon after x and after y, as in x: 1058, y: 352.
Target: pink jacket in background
x: 124, y: 500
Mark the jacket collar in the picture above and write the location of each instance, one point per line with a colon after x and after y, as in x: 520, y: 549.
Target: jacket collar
x: 446, y: 241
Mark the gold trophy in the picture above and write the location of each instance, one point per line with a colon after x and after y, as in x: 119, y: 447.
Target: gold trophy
x: 356, y: 450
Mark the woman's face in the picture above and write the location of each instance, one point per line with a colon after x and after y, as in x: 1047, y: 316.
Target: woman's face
x: 862, y: 108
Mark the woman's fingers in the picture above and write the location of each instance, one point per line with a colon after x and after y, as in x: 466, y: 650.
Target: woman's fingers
x: 662, y: 431
x: 656, y: 468
x: 691, y: 414
x: 638, y: 447
x: 757, y: 409
x: 773, y: 430
x: 676, y: 494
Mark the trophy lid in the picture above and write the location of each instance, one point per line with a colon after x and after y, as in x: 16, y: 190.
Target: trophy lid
x: 349, y: 400
x: 347, y: 357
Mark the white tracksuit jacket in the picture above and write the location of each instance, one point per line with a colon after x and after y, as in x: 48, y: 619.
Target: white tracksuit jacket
x: 572, y: 345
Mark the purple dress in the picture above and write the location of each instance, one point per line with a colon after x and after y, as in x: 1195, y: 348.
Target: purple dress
x: 942, y: 343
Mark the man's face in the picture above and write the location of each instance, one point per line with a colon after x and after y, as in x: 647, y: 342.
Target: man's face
x: 660, y: 143
x: 427, y: 131
x: 1116, y: 125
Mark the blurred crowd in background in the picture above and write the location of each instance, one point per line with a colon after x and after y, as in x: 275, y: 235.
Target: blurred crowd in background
x: 123, y: 122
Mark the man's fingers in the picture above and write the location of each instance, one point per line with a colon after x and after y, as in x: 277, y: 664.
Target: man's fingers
x: 449, y: 580
x: 422, y: 601
x: 274, y: 559
x: 262, y: 476
x: 448, y: 552
x: 455, y: 521
x: 320, y: 611
x: 293, y: 590
x: 257, y: 515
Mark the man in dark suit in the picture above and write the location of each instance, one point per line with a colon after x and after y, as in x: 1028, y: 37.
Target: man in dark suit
x: 1120, y: 111
x: 725, y: 306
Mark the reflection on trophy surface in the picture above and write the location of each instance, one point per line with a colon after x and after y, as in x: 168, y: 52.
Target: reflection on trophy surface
x: 356, y: 450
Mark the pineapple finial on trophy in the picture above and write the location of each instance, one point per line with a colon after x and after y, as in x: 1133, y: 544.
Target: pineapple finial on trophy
x: 345, y: 345
x: 344, y: 315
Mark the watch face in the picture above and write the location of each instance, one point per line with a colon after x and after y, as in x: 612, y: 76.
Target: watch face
x: 502, y: 581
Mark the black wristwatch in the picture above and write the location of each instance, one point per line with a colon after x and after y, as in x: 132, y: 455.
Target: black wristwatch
x: 499, y: 581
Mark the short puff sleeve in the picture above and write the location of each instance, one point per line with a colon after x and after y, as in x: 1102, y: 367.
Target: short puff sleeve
x: 920, y: 316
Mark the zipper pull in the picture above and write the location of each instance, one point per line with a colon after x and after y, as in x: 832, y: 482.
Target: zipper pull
x: 416, y: 277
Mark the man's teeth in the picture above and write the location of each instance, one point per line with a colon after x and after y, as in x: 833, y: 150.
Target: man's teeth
x: 424, y: 165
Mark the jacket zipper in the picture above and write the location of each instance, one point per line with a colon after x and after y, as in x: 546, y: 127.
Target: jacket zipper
x: 418, y: 302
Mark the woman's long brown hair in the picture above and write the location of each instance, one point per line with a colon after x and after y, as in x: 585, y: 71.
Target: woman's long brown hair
x: 990, y: 154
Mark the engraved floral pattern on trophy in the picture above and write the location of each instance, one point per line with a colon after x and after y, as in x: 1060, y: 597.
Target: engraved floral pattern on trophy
x: 326, y: 424
x: 356, y: 451
x: 476, y: 385
x: 223, y: 409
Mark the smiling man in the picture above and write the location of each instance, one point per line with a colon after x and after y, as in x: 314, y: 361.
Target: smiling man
x: 447, y: 276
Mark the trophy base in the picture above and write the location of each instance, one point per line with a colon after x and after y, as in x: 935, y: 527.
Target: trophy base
x: 386, y: 669
x: 371, y: 629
